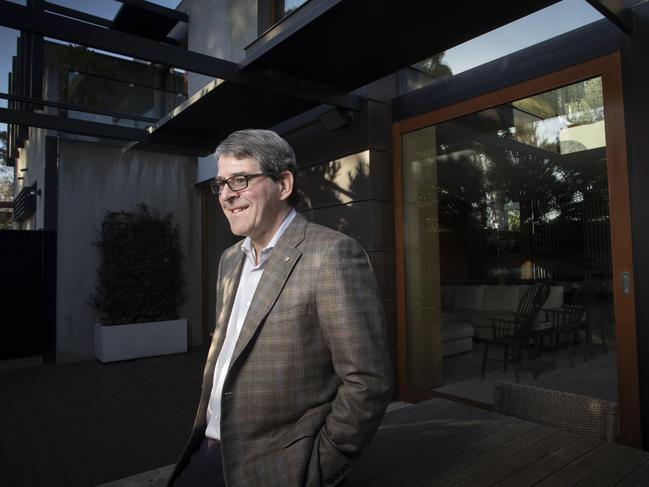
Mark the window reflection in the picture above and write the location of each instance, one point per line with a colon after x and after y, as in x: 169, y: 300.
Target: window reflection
x: 496, y: 201
x: 520, y: 184
x: 285, y: 7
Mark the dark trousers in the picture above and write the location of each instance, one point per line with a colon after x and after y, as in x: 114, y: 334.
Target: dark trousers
x: 205, y: 468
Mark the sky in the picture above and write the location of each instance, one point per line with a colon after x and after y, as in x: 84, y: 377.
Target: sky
x: 552, y: 21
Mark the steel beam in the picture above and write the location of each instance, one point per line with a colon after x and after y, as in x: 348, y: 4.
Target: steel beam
x: 68, y: 106
x: 175, y: 144
x: 306, y: 90
x: 23, y: 18
x: 75, y: 14
x: 616, y: 12
x: 158, y: 9
x: 71, y: 125
x: 55, y: 26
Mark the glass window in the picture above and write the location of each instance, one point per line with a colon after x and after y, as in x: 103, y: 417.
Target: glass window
x: 285, y: 7
x: 494, y: 202
x: 527, y: 31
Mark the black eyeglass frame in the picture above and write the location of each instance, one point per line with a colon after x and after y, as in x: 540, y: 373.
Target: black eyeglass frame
x: 217, y: 185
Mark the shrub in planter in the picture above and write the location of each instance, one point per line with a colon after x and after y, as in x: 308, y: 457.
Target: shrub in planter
x: 140, y: 277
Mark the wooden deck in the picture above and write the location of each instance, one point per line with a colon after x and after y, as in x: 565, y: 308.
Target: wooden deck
x: 84, y: 424
x: 440, y: 443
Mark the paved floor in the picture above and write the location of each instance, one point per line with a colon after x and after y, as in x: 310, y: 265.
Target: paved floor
x: 595, y: 377
x: 85, y: 424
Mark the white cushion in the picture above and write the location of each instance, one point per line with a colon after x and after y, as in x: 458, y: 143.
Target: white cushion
x: 501, y: 298
x: 455, y: 331
x: 457, y: 346
x: 555, y: 298
x: 468, y: 297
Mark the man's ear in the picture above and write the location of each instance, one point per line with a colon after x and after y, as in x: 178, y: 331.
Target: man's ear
x: 285, y: 185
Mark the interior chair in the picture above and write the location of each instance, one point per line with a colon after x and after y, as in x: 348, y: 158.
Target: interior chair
x: 580, y: 414
x: 568, y: 321
x: 515, y: 334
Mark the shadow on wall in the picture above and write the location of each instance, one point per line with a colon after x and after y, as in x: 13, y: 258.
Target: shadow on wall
x: 337, y: 194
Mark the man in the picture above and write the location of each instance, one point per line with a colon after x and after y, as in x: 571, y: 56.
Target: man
x: 298, y: 375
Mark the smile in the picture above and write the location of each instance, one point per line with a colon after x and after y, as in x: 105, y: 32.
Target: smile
x: 238, y: 210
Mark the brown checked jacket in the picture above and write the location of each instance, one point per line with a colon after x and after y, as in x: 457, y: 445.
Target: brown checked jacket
x: 310, y: 377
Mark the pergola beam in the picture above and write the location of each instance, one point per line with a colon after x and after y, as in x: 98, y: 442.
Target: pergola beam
x: 158, y: 9
x: 37, y: 102
x: 67, y: 29
x: 26, y: 19
x: 177, y: 144
x: 83, y: 127
x: 616, y: 12
x: 75, y: 14
x: 306, y: 90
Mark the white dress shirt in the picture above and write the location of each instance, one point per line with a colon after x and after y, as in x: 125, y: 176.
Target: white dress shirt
x: 250, y: 276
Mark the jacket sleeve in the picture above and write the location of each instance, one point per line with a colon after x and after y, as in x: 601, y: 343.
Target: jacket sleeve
x: 351, y: 317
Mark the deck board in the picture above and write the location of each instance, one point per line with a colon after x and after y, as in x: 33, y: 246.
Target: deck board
x: 581, y: 467
x: 539, y: 470
x: 519, y: 461
x: 84, y: 423
x: 442, y: 443
x: 492, y: 456
x: 13, y: 445
x: 617, y: 469
x: 640, y: 476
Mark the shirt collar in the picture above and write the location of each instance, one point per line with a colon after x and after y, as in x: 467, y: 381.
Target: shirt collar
x: 248, y: 248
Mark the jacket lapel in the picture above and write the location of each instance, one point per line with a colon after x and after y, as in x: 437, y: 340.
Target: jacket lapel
x: 278, y: 268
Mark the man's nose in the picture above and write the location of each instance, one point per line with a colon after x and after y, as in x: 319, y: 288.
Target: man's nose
x: 227, y: 193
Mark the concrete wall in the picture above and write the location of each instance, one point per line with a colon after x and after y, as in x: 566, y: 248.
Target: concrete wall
x: 220, y: 28
x: 94, y: 178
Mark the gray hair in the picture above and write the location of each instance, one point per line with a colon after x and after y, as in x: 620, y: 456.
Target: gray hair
x: 273, y: 154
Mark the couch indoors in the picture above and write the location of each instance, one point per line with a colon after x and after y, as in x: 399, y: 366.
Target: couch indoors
x: 467, y: 311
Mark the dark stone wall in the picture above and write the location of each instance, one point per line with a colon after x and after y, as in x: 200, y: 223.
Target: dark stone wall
x: 635, y: 52
x: 346, y: 183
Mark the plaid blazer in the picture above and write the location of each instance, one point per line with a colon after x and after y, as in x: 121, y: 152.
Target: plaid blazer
x: 310, y: 377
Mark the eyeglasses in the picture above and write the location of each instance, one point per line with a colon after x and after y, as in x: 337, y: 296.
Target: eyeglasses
x: 238, y: 182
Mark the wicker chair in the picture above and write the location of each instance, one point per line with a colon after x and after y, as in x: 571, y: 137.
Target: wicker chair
x: 515, y: 334
x: 562, y: 410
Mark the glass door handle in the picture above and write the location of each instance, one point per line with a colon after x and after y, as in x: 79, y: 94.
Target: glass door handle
x: 625, y: 280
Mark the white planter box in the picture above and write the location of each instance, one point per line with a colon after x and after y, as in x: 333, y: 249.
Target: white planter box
x: 125, y: 342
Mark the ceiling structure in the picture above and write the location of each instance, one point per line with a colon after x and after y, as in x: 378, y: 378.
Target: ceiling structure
x: 318, y: 55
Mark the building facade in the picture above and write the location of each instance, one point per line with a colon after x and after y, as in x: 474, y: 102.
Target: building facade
x: 464, y: 187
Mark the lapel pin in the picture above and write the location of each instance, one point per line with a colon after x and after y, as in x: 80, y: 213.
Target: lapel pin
x: 286, y: 259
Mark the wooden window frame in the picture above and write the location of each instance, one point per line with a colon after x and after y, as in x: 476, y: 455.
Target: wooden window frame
x: 609, y: 69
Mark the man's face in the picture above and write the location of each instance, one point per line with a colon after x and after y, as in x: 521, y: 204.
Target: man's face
x: 256, y: 211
